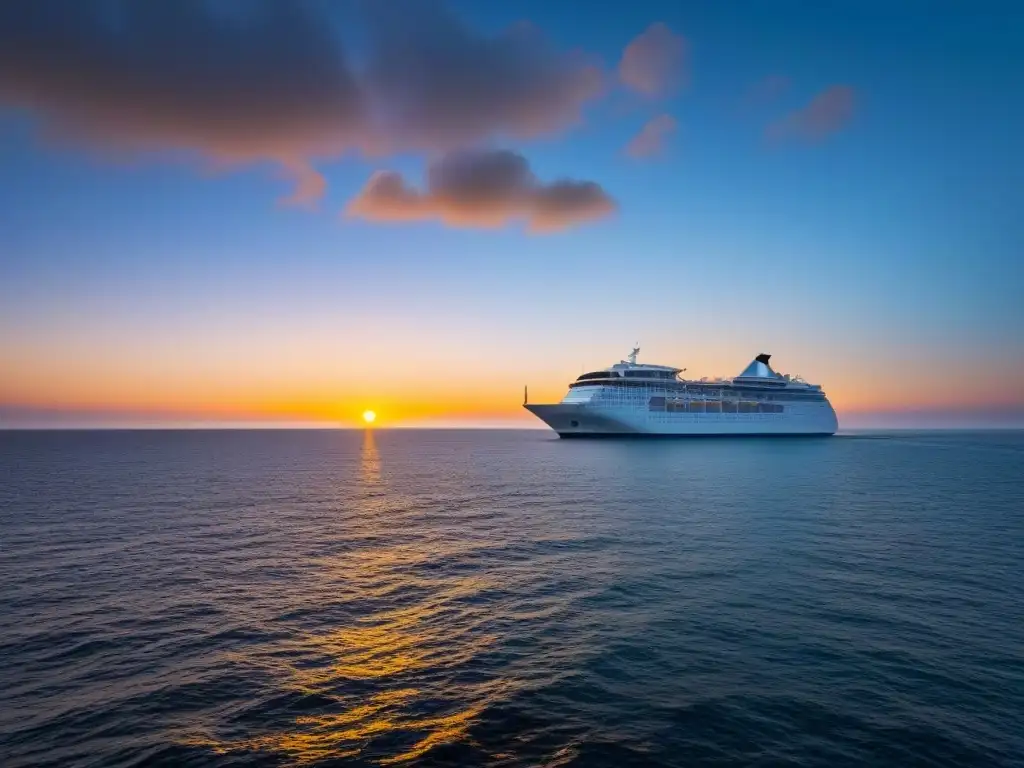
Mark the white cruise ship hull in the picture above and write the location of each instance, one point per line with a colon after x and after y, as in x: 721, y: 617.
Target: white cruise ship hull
x: 585, y: 420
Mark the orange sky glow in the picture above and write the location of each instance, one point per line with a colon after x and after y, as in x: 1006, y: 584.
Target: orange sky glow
x: 451, y: 390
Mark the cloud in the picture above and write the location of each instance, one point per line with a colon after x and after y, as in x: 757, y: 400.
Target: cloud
x: 825, y: 114
x: 168, y: 75
x: 651, y: 139
x: 275, y: 83
x: 482, y: 188
x: 654, y: 62
x: 437, y: 85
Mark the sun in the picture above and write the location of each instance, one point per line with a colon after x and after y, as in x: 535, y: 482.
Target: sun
x: 369, y: 417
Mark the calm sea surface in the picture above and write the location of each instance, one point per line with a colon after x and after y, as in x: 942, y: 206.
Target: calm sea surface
x: 506, y: 599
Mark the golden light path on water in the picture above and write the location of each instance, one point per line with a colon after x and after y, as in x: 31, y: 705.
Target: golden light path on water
x: 409, y: 655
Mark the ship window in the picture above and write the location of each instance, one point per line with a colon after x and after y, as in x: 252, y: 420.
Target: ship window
x: 648, y: 374
x: 574, y: 423
x: 594, y: 375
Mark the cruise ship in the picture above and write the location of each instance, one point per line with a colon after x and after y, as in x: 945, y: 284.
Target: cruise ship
x: 631, y: 398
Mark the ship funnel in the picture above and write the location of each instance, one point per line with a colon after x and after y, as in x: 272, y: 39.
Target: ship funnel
x: 759, y: 369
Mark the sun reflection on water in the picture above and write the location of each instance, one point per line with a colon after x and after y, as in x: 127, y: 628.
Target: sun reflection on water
x: 407, y: 645
x: 386, y: 621
x: 369, y: 466
x: 346, y: 734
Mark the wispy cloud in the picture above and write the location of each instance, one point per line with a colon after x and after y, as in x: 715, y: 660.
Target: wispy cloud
x: 654, y: 63
x: 482, y: 189
x: 277, y: 84
x: 828, y: 112
x: 651, y: 138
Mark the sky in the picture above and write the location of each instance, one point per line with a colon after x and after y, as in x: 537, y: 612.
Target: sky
x: 289, y: 212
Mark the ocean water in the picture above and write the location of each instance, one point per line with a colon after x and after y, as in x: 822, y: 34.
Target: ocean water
x: 499, y: 598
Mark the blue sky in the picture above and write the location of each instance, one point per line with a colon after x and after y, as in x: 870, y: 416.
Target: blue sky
x: 889, y: 247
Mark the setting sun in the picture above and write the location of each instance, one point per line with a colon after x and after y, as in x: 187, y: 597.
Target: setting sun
x: 369, y: 417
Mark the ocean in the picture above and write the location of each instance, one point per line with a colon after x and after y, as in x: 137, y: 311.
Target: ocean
x: 504, y: 598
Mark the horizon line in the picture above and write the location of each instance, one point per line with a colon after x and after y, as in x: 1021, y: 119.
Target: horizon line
x: 463, y: 428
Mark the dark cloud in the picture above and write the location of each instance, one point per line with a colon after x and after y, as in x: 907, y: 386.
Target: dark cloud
x: 169, y: 74
x: 654, y: 62
x: 651, y: 139
x: 273, y: 81
x: 439, y: 85
x: 825, y: 114
x: 482, y: 189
